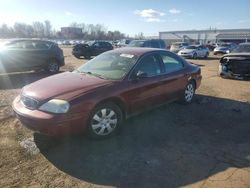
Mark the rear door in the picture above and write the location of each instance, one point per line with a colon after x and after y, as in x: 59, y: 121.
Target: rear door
x: 96, y: 48
x: 41, y: 53
x: 174, y: 79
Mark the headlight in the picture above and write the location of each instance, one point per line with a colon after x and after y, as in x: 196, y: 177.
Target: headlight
x: 55, y: 106
x: 224, y: 67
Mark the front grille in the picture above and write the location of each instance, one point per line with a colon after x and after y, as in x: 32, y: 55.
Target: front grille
x: 240, y: 67
x: 29, y: 102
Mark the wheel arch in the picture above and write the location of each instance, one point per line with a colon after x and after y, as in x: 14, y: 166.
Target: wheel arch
x: 117, y: 101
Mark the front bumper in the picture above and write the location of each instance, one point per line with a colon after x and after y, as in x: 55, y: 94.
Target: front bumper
x: 220, y: 52
x: 230, y: 74
x: 186, y: 55
x: 48, y: 123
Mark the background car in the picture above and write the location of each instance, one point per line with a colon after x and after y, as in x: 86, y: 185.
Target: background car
x: 111, y: 87
x: 91, y: 48
x: 153, y: 43
x: 177, y: 46
x: 224, y: 48
x: 237, y: 63
x: 194, y: 51
x: 29, y: 54
x: 123, y: 43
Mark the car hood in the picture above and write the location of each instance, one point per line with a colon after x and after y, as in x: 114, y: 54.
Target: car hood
x: 187, y: 50
x: 66, y: 84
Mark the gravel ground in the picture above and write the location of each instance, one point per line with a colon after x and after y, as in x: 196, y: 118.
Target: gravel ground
x: 204, y: 144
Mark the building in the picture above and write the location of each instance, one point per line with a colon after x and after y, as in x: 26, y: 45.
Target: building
x: 206, y: 36
x: 71, y: 32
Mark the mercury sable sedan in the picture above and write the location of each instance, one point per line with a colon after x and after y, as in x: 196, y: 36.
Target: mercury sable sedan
x: 101, y: 93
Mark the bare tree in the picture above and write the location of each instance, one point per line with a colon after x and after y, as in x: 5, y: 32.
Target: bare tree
x: 38, y: 29
x: 47, y: 28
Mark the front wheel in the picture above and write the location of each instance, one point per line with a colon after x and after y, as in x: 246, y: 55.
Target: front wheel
x: 189, y: 93
x: 53, y: 66
x: 194, y: 56
x: 105, y: 121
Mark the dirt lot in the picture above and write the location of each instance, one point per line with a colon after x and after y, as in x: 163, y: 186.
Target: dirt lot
x: 204, y: 144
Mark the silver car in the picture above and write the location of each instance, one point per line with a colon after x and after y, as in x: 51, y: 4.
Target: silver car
x: 177, y: 46
x: 194, y: 51
x: 224, y: 48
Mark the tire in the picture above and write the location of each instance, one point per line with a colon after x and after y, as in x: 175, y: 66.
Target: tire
x: 77, y: 56
x: 206, y: 56
x: 53, y: 66
x: 188, y: 93
x: 87, y: 56
x: 105, y: 121
x: 194, y: 56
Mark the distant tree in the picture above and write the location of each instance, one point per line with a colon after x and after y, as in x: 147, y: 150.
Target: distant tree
x: 47, y: 28
x: 6, y: 32
x: 44, y: 29
x: 140, y: 36
x: 38, y: 29
x: 20, y: 30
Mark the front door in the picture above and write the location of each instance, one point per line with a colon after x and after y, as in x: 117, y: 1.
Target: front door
x: 144, y: 84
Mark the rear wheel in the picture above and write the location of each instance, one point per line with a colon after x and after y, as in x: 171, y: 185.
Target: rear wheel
x: 53, y: 66
x: 206, y: 56
x: 105, y: 121
x: 189, y: 93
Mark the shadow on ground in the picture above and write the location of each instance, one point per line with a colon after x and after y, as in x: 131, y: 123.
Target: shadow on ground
x: 171, y: 146
x: 18, y: 80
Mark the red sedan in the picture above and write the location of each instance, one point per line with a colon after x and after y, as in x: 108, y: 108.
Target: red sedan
x: 100, y: 94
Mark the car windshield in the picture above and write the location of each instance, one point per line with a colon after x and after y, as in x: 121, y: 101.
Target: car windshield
x: 136, y: 43
x: 242, y: 48
x: 109, y: 65
x: 224, y: 45
x: 191, y: 47
x: 90, y: 43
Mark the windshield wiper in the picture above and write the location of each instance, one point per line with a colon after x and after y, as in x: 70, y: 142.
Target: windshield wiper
x: 94, y: 74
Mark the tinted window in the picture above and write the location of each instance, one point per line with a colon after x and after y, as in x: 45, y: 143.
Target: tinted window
x: 242, y: 48
x: 17, y: 45
x: 155, y: 44
x: 136, y: 43
x: 107, y: 45
x: 42, y: 45
x: 147, y: 44
x: 191, y: 47
x: 150, y: 65
x: 162, y: 44
x: 171, y: 64
x: 97, y: 45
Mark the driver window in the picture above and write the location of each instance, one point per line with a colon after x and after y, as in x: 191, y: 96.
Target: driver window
x: 149, y: 65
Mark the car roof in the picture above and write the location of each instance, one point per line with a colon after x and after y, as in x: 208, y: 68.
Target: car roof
x: 136, y: 50
x: 28, y: 39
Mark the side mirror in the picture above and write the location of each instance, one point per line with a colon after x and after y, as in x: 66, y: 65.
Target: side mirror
x: 141, y: 74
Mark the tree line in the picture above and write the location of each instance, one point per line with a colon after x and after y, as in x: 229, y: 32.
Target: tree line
x: 44, y: 30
